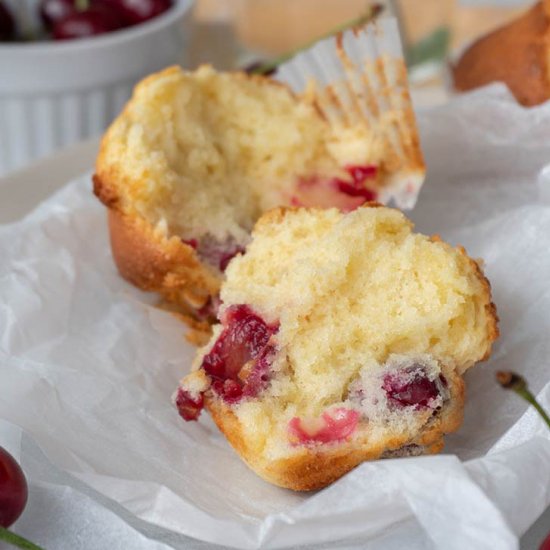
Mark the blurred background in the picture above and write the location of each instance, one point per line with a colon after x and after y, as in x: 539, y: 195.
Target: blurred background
x: 54, y: 94
x: 227, y: 32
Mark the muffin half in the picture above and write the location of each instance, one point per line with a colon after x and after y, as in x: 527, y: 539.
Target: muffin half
x: 197, y: 157
x: 343, y: 337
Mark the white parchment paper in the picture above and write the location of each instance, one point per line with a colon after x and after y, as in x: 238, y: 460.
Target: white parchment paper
x: 87, y: 365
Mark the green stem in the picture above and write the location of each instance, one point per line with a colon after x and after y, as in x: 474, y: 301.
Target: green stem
x: 268, y: 66
x: 17, y: 540
x: 81, y: 5
x: 529, y: 397
x: 512, y: 381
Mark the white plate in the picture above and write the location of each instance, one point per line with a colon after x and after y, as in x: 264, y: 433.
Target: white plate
x: 24, y: 189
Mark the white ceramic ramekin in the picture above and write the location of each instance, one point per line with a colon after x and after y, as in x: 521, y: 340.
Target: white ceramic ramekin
x: 53, y: 94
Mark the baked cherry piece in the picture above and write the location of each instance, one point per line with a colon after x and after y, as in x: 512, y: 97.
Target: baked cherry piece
x: 238, y: 363
x: 228, y: 256
x: 411, y: 387
x: 7, y: 23
x: 189, y: 407
x: 333, y: 426
x: 337, y: 193
x: 13, y: 489
x: 138, y: 11
x: 242, y: 354
x: 356, y: 188
x: 193, y: 243
x: 217, y: 254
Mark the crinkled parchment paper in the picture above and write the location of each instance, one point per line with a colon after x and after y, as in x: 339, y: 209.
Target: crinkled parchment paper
x: 87, y: 365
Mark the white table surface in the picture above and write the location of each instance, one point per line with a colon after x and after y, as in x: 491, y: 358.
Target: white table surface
x: 73, y: 517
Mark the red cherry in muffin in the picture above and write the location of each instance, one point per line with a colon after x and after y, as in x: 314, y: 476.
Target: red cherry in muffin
x: 189, y: 407
x: 345, y: 194
x: 238, y: 363
x: 242, y: 353
x: 356, y: 188
x: 334, y: 425
x: 411, y: 387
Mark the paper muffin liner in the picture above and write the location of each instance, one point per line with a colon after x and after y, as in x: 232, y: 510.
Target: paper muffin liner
x: 360, y: 77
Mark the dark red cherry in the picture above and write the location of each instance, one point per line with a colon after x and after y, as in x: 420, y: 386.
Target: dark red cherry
x: 52, y: 11
x: 138, y: 11
x: 13, y: 489
x: 94, y: 21
x: 7, y: 24
x: 111, y: 10
x: 545, y: 544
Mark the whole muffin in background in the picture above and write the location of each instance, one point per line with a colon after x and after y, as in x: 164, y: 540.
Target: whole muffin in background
x: 342, y: 338
x: 517, y: 54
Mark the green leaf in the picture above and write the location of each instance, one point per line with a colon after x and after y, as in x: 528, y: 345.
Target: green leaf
x: 431, y: 48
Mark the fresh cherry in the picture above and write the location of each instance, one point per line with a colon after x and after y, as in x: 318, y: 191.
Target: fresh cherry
x: 93, y: 21
x: 138, y: 11
x: 411, y: 387
x: 545, y: 544
x: 7, y: 24
x: 13, y: 489
x: 52, y: 11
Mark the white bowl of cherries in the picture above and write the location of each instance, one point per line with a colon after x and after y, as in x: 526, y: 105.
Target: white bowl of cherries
x: 68, y: 66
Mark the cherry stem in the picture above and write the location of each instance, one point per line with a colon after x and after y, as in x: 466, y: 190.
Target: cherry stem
x: 17, y: 540
x: 81, y: 5
x: 269, y: 66
x: 515, y: 382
